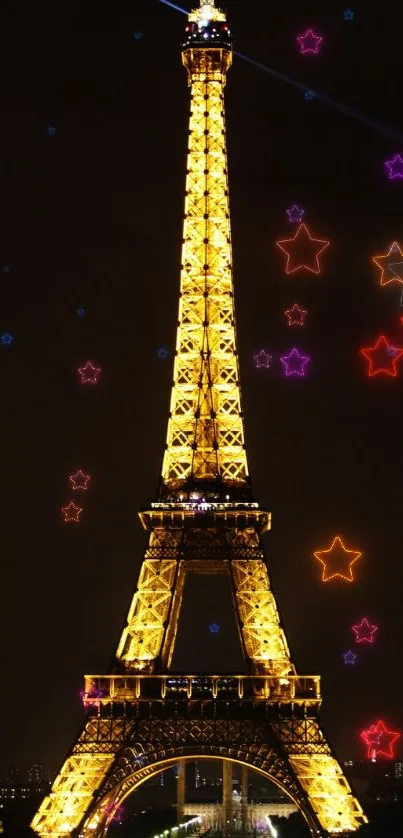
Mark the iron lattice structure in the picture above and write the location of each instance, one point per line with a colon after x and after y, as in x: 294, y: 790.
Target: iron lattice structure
x: 142, y: 718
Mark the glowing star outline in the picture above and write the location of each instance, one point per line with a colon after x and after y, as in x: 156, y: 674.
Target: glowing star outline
x: 395, y: 167
x: 337, y: 544
x: 365, y: 631
x: 295, y: 214
x: 288, y: 360
x: 89, y: 373
x: 348, y: 14
x: 392, y: 357
x: 372, y: 737
x: 390, y: 266
x: 7, y: 339
x: 296, y: 315
x: 262, y: 359
x: 302, y: 232
x: 309, y: 95
x: 71, y: 513
x: 79, y: 481
x: 349, y: 657
x: 309, y: 42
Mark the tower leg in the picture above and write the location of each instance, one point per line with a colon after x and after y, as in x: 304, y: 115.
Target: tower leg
x: 244, y: 795
x: 181, y: 793
x: 227, y: 797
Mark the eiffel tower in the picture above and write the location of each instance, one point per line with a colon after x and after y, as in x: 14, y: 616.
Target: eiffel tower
x: 142, y: 717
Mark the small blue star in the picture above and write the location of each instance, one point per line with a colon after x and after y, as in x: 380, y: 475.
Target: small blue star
x: 6, y: 269
x: 214, y: 628
x: 348, y: 14
x: 309, y: 95
x: 137, y: 35
x: 162, y: 353
x: 51, y: 130
x: 6, y: 339
x: 81, y: 312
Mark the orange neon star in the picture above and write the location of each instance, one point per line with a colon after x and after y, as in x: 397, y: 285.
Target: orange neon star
x: 382, y: 357
x: 337, y: 560
x: 391, y: 265
x: 302, y: 251
x: 71, y: 512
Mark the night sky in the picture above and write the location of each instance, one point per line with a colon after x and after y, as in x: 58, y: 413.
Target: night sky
x: 91, y: 216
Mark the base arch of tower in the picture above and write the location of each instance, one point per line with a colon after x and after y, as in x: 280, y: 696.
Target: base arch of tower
x: 125, y: 778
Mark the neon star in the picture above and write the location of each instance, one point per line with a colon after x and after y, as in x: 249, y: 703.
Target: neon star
x: 309, y: 41
x: 262, y: 359
x: 348, y: 14
x: 382, y: 357
x: 337, y: 561
x: 365, y: 631
x: 7, y: 339
x: 79, y: 481
x: 294, y: 363
x: 309, y: 95
x: 391, y: 268
x: 349, y: 658
x: 89, y: 373
x: 380, y: 740
x: 296, y: 315
x: 295, y: 214
x: 162, y: 353
x: 81, y: 312
x: 308, y: 248
x: 71, y: 512
x: 395, y: 167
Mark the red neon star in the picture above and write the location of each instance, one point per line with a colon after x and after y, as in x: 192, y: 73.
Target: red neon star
x: 296, y: 315
x: 79, y: 481
x: 391, y: 266
x: 382, y: 357
x: 380, y: 740
x: 337, y: 560
x: 89, y: 373
x: 365, y: 631
x: 71, y: 512
x: 307, y: 251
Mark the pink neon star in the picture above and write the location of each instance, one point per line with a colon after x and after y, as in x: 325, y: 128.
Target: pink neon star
x: 294, y: 363
x: 395, y: 167
x: 380, y: 740
x: 89, y: 373
x: 296, y: 315
x: 309, y: 41
x: 364, y: 631
x: 71, y: 512
x: 79, y: 481
x: 302, y: 251
x: 262, y: 359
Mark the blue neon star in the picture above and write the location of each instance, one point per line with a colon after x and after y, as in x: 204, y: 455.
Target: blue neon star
x: 6, y: 339
x: 214, y: 628
x: 162, y: 353
x: 349, y: 658
x: 81, y: 312
x: 348, y: 14
x: 309, y: 95
x: 51, y: 130
x: 138, y: 35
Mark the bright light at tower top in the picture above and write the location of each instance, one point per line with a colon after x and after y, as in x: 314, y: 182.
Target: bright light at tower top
x: 206, y: 13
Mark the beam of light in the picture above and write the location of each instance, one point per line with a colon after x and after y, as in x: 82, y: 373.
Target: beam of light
x: 172, y: 5
x: 366, y: 120
x: 360, y: 117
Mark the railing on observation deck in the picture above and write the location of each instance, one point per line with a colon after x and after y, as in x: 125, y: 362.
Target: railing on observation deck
x: 102, y: 689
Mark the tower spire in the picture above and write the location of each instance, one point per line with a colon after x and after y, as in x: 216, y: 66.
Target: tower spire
x: 205, y: 438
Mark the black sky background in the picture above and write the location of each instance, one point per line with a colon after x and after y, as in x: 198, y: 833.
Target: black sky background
x: 92, y: 216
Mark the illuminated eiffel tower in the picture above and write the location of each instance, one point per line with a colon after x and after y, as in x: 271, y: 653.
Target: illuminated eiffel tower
x: 142, y: 718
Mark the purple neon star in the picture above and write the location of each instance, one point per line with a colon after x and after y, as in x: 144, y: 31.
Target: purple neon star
x: 262, y: 359
x: 395, y: 167
x: 309, y: 41
x: 294, y: 363
x: 349, y: 658
x: 295, y: 214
